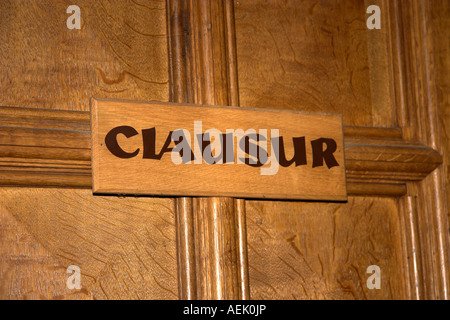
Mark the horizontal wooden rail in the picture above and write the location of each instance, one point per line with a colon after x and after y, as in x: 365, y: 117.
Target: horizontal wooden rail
x: 42, y: 147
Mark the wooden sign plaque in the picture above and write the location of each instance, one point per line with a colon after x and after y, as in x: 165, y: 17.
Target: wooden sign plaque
x: 172, y: 149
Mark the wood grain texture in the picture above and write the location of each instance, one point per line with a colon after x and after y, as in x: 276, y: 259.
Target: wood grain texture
x: 321, y: 251
x: 28, y: 270
x: 197, y: 243
x: 120, y: 52
x: 217, y: 250
x: 379, y: 161
x: 395, y: 162
x: 330, y: 61
x: 440, y: 14
x: 125, y: 247
x: 314, y: 56
x: 412, y: 247
x: 382, y: 73
x: 139, y: 175
x: 419, y: 118
x: 49, y: 147
x: 265, y: 35
x: 184, y: 221
x: 203, y: 70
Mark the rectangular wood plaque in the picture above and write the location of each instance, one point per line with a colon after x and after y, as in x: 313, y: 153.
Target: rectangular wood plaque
x: 192, y: 150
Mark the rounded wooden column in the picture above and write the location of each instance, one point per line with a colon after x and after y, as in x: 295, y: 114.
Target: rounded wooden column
x: 211, y: 232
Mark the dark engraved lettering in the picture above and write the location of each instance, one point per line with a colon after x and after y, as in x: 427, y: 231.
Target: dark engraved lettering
x: 113, y: 145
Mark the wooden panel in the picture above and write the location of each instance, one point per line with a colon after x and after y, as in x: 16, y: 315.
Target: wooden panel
x: 378, y: 160
x: 317, y: 175
x: 216, y: 248
x: 420, y: 114
x: 125, y: 247
x: 300, y: 250
x: 203, y: 71
x: 399, y: 161
x: 28, y: 270
x: 402, y: 59
x: 316, y: 56
x: 120, y: 51
x: 322, y: 47
x: 441, y: 25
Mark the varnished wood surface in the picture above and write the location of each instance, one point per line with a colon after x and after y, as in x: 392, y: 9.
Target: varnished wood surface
x: 29, y: 270
x: 293, y: 61
x: 125, y: 247
x: 216, y: 250
x: 184, y: 222
x: 202, y: 70
x: 52, y: 148
x: 120, y: 52
x: 395, y: 162
x: 419, y: 118
x: 138, y: 175
x: 441, y: 21
x: 314, y: 55
x: 309, y: 251
x: 287, y: 66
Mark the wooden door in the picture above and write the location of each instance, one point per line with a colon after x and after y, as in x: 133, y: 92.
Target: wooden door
x: 390, y: 84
